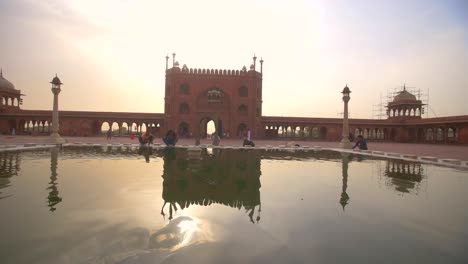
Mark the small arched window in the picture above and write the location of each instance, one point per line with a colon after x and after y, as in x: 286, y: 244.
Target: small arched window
x: 242, y: 109
x: 184, y: 108
x: 184, y: 89
x: 243, y: 92
x: 451, y: 133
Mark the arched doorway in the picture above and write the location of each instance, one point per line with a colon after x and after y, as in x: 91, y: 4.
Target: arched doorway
x: 207, y: 123
x: 105, y: 127
x: 241, y: 129
x: 12, y: 126
x: 210, y: 128
x: 212, y: 104
x: 184, y: 130
x: 323, y: 133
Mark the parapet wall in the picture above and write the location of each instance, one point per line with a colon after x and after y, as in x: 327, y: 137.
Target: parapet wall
x: 218, y: 72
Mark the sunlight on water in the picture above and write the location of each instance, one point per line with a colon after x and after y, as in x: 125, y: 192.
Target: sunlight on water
x: 127, y: 205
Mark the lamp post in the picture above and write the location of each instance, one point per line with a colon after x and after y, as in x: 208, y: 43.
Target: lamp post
x: 345, y: 143
x: 55, y: 137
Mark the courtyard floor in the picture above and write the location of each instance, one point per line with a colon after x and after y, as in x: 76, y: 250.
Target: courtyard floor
x: 439, y: 151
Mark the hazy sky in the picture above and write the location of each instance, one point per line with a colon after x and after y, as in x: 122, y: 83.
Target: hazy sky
x: 110, y: 54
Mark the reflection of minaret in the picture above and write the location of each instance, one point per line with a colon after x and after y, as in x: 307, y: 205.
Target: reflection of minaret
x: 344, y: 196
x: 53, y: 198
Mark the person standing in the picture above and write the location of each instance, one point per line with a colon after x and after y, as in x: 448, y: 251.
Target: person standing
x: 109, y: 134
x: 247, y: 139
x: 146, y: 138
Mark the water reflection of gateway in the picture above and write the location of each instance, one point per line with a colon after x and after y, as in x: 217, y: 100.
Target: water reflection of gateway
x: 227, y: 177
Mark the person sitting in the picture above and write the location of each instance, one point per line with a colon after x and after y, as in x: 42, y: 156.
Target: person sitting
x: 146, y: 138
x: 248, y: 143
x: 215, y: 139
x: 171, y: 138
x: 360, y: 143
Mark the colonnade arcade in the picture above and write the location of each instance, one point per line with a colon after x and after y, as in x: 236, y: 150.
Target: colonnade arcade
x: 128, y: 128
x: 437, y: 134
x: 35, y: 126
x: 318, y: 132
x: 93, y: 127
x: 416, y: 111
x: 295, y: 131
x: 10, y: 101
x: 372, y: 133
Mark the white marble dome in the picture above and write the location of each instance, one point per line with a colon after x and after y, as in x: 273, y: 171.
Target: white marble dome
x: 5, y: 84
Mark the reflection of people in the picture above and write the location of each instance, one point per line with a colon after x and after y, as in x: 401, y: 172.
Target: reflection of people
x: 360, y: 143
x: 171, y: 138
x: 146, y: 152
x: 13, y: 132
x: 146, y: 138
x: 109, y: 134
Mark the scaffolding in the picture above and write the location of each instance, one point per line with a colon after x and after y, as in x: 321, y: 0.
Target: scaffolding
x: 379, y: 111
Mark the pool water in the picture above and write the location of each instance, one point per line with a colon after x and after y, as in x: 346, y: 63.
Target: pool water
x: 142, y: 205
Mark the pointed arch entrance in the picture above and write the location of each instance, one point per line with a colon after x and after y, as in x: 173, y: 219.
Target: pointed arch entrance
x: 212, y: 104
x: 184, y: 131
x: 201, y: 121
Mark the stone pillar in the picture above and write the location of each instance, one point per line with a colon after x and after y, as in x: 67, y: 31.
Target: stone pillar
x: 345, y: 143
x: 55, y: 136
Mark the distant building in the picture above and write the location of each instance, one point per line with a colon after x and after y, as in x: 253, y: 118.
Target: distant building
x: 232, y: 99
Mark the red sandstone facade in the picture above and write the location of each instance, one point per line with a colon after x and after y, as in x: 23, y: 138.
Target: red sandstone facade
x: 232, y: 99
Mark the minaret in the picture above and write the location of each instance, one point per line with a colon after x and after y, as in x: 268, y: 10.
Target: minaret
x: 261, y: 66
x: 255, y: 59
x: 55, y: 136
x: 345, y: 143
x: 167, y: 61
x: 173, y: 59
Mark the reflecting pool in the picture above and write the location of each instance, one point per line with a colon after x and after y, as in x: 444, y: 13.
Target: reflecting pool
x: 143, y: 205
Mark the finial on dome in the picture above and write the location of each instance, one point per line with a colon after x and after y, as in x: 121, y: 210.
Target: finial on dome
x: 404, y: 87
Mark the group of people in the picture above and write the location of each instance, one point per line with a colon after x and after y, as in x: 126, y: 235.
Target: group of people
x: 147, y: 138
x: 171, y: 139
